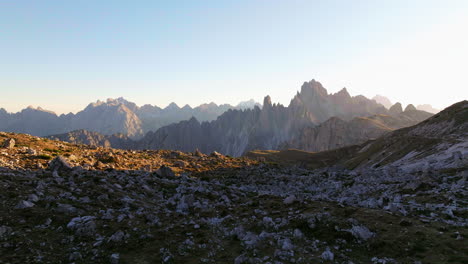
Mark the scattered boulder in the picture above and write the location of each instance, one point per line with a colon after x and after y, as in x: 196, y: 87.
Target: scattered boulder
x: 216, y: 154
x: 286, y: 244
x: 197, y: 153
x: 180, y: 164
x: 5, y: 231
x: 165, y: 171
x: 328, y: 255
x: 33, y: 198
x: 361, y: 232
x: 75, y: 256
x: 31, y: 151
x: 290, y: 199
x: 9, y: 143
x: 24, y: 204
x: 114, y: 258
x: 66, y: 208
x: 59, y: 164
x: 83, y: 226
x: 117, y: 236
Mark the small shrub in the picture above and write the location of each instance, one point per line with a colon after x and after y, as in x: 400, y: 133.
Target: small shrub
x: 44, y: 157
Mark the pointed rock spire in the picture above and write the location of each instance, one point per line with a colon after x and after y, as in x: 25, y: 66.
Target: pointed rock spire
x: 410, y: 107
x: 396, y: 109
x: 267, y: 102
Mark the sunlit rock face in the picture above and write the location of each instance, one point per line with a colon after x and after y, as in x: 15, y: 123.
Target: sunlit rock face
x: 314, y: 120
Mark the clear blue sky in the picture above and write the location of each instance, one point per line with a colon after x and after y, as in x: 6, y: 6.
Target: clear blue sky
x: 62, y: 55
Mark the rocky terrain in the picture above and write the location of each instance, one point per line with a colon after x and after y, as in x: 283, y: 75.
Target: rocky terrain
x: 66, y: 203
x: 113, y: 116
x: 336, y: 133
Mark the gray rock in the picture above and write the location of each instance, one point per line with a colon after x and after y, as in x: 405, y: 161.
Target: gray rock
x: 290, y: 199
x: 362, y: 233
x: 33, y: 198
x: 328, y: 255
x: 59, y: 164
x: 83, y: 226
x: 115, y: 258
x: 165, y: 171
x: 5, y: 231
x: 286, y: 244
x: 216, y: 154
x: 298, y: 233
x: 9, y: 143
x: 31, y: 151
x: 66, y: 208
x: 75, y: 256
x: 117, y: 236
x: 24, y: 204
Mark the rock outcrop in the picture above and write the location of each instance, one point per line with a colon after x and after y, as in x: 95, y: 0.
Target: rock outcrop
x: 396, y: 109
x: 336, y: 133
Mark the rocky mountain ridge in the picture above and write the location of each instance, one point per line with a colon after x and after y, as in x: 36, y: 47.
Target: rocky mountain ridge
x: 272, y: 127
x: 439, y: 142
x: 336, y: 133
x: 110, y: 117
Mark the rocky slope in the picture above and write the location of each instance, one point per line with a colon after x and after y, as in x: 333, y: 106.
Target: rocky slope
x: 336, y: 133
x: 64, y: 203
x: 119, y: 141
x: 440, y: 142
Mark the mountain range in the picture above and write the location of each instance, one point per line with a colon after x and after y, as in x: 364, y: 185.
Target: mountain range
x: 314, y: 120
x: 110, y: 117
x: 388, y: 104
x: 437, y: 143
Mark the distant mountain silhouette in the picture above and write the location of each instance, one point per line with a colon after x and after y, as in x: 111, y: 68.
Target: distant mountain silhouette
x: 314, y: 120
x: 110, y: 117
x: 383, y: 101
x: 428, y: 108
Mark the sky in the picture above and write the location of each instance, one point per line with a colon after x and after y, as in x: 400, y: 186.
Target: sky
x: 62, y: 55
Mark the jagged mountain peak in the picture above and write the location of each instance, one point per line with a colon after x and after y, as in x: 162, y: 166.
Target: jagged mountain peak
x: 187, y: 107
x: 31, y: 108
x: 343, y: 93
x: 313, y: 88
x: 267, y: 102
x: 172, y: 106
x: 396, y: 108
x: 410, y: 107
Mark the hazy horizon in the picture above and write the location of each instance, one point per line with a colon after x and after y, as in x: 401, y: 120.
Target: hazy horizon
x: 181, y: 105
x: 63, y: 55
